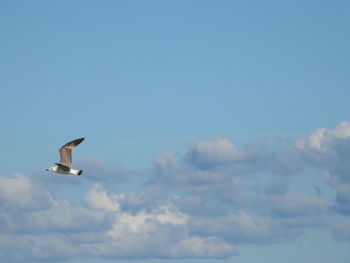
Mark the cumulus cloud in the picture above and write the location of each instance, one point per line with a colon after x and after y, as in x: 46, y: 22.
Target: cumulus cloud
x: 107, y: 227
x: 63, y: 217
x: 152, y: 231
x: 34, y: 223
x: 329, y: 149
x: 202, y: 174
x: 155, y: 229
x: 18, y: 192
x: 215, y: 152
x: 221, y: 152
x: 98, y: 198
x: 323, y: 140
x: 219, y: 176
x: 204, y: 203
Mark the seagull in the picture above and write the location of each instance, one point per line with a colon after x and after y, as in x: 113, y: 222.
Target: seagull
x: 65, y: 164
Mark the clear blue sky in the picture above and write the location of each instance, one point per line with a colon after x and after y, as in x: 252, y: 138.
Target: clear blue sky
x: 214, y: 129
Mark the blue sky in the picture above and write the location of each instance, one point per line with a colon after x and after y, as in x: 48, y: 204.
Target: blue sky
x: 216, y: 131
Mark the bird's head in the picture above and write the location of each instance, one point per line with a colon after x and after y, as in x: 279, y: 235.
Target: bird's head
x: 51, y: 169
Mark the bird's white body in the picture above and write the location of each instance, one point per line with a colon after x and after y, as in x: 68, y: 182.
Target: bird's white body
x: 56, y: 169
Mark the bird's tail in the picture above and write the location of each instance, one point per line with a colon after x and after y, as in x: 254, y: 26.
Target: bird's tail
x: 80, y: 172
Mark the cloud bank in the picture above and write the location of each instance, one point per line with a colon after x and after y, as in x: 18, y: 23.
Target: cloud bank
x: 206, y: 203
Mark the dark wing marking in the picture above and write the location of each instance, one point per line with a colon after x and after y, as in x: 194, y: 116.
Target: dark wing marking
x: 66, y: 152
x: 62, y: 167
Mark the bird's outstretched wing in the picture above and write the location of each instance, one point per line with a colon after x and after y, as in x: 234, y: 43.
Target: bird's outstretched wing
x: 66, y: 152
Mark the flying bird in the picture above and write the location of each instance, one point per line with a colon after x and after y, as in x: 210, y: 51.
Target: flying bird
x: 65, y: 164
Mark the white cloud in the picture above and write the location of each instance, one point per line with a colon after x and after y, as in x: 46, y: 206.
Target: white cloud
x: 216, y: 151
x: 63, y: 217
x: 127, y: 224
x: 321, y: 139
x: 99, y: 198
x: 153, y: 231
x: 201, y: 204
x: 20, y: 193
x: 105, y: 228
x: 329, y: 149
